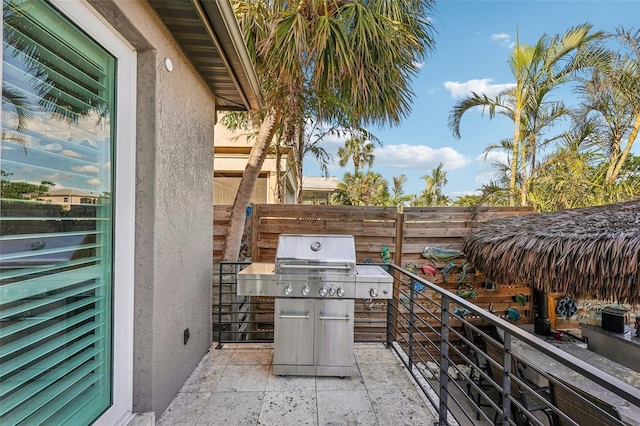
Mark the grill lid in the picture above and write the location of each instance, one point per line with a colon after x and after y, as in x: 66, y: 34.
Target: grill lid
x: 300, y: 253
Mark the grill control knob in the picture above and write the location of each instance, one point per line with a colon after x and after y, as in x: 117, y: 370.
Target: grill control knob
x: 340, y: 292
x: 305, y: 290
x: 323, y: 291
x: 288, y: 290
x: 332, y: 291
x: 373, y: 292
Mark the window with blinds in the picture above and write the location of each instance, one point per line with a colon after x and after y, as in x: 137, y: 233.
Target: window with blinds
x: 55, y: 257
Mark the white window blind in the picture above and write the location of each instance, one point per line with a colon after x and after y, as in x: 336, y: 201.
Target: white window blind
x: 55, y: 258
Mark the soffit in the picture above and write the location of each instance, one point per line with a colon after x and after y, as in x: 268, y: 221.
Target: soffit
x: 208, y: 33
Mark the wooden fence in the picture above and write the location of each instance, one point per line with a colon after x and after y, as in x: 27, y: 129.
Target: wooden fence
x: 402, y: 235
x: 405, y: 234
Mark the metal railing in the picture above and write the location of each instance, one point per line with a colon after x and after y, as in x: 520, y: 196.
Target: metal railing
x: 246, y: 319
x: 471, y: 365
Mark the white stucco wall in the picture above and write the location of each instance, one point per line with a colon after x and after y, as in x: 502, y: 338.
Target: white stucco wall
x: 174, y: 214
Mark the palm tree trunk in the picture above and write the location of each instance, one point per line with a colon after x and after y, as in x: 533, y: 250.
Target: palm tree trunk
x: 532, y: 171
x: 259, y: 152
x: 523, y: 188
x: 300, y: 156
x: 514, y: 158
x: 279, y: 180
x: 623, y: 156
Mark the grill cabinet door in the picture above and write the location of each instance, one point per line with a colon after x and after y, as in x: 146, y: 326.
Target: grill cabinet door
x: 334, y: 332
x: 293, y: 332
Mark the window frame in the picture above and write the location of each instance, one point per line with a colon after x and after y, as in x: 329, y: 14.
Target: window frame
x: 89, y: 20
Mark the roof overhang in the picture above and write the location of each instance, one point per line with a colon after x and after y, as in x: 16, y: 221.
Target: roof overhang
x: 208, y: 33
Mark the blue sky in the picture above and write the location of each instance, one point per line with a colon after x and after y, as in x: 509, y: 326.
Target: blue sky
x: 473, y: 42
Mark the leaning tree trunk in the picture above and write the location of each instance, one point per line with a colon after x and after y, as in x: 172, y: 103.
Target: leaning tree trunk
x: 259, y: 151
x: 300, y: 147
x: 623, y: 156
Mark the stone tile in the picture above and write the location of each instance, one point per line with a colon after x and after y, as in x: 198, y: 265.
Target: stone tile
x: 375, y: 353
x: 252, y: 356
x: 345, y: 408
x: 243, y: 378
x: 384, y: 376
x: 354, y: 382
x: 291, y: 383
x: 400, y: 407
x: 232, y: 408
x: 204, y: 378
x: 251, y: 345
x: 289, y: 408
x: 185, y: 410
x: 218, y: 356
x: 143, y: 419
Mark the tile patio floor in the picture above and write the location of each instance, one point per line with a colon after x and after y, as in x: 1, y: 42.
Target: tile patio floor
x: 235, y: 386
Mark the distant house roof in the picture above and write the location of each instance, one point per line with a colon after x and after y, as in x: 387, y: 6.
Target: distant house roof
x: 208, y: 33
x: 318, y: 190
x: 67, y: 192
x: 313, y: 183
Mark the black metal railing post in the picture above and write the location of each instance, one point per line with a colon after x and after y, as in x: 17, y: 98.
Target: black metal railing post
x: 389, y: 327
x: 411, y: 323
x: 219, y: 345
x: 506, y: 383
x: 444, y: 359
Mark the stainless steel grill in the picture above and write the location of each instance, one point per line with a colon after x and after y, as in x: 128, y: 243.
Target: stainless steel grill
x: 315, y: 280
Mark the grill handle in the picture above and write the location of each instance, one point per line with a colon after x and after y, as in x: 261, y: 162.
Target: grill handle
x: 287, y: 316
x: 345, y: 267
x: 342, y: 318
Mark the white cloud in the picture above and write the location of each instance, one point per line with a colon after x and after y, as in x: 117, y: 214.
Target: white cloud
x: 419, y: 157
x: 486, y: 169
x: 456, y: 194
x: 503, y: 39
x: 335, y: 139
x: 418, y: 64
x: 70, y: 153
x: 94, y: 182
x: 85, y: 169
x: 481, y: 87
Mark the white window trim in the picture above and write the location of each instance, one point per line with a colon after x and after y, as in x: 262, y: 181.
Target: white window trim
x: 87, y: 18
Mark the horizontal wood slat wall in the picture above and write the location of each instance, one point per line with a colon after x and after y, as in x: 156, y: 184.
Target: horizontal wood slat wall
x: 446, y: 227
x: 405, y: 234
x: 372, y: 227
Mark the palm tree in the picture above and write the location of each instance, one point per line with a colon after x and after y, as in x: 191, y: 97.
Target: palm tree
x: 355, y: 59
x: 537, y: 70
x: 611, y: 98
x: 399, y: 198
x: 358, y: 189
x: 357, y: 149
x: 432, y: 195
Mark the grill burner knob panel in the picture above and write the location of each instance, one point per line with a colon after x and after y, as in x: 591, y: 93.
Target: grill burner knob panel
x: 340, y: 292
x: 323, y: 291
x: 288, y: 290
x: 305, y: 290
x: 373, y: 292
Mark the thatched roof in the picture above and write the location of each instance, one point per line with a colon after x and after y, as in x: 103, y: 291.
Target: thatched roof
x: 586, y: 252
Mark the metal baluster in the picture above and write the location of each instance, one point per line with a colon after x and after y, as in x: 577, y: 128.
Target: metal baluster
x: 444, y: 359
